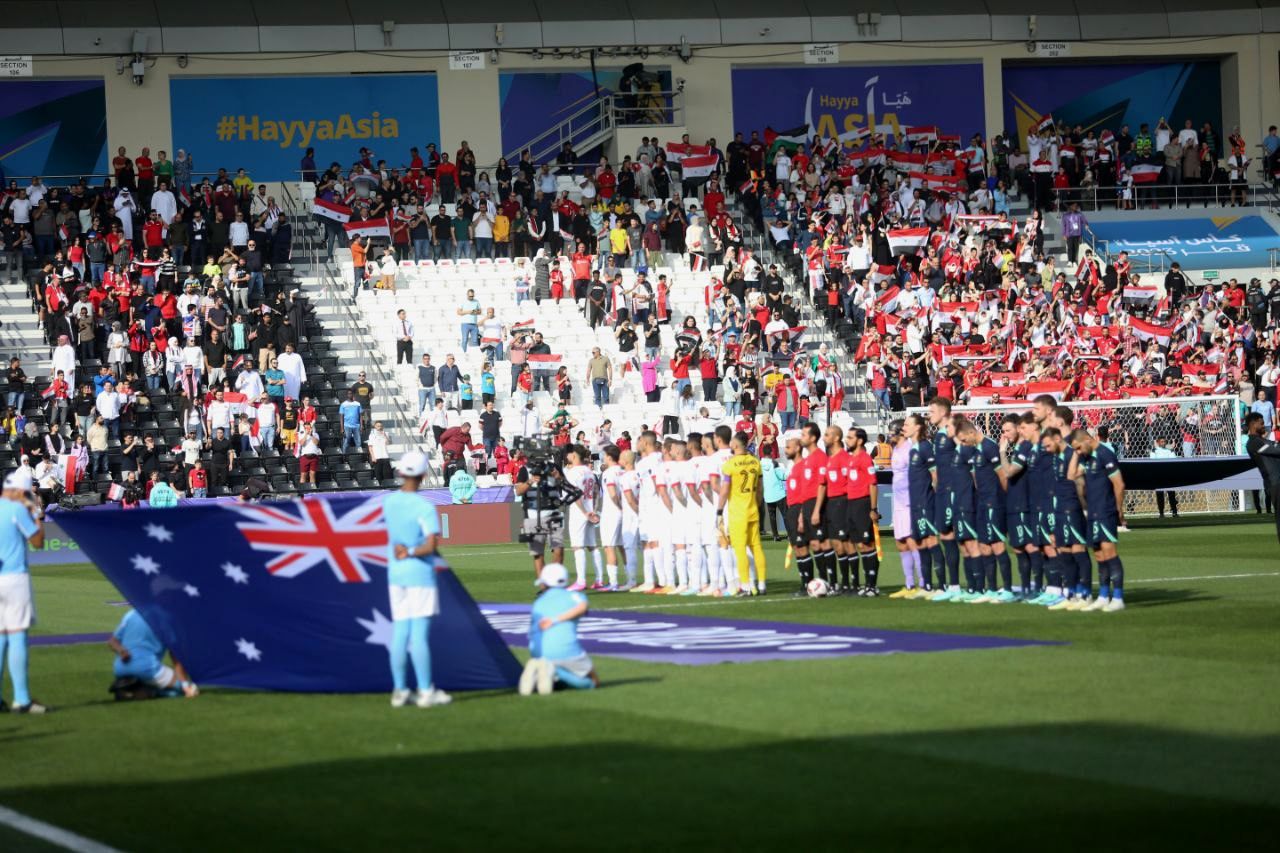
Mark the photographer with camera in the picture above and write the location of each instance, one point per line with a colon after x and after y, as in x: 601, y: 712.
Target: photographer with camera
x: 544, y: 492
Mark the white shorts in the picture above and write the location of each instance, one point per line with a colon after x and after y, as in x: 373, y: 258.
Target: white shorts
x: 692, y: 523
x: 582, y: 533
x: 630, y: 531
x: 653, y: 523
x: 17, y: 612
x: 164, y: 677
x: 413, y: 602
x: 674, y: 523
x: 580, y: 666
x: 610, y: 532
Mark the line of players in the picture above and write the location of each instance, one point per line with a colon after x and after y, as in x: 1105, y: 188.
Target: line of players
x: 688, y: 510
x: 1045, y: 492
x: 664, y: 507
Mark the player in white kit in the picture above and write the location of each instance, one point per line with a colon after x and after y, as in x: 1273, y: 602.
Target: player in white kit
x: 653, y: 510
x: 611, y: 513
x: 728, y: 561
x: 708, y: 537
x: 692, y: 517
x: 629, y: 484
x: 583, y: 518
x: 673, y: 553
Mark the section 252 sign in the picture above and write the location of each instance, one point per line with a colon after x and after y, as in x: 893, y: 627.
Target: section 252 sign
x: 265, y: 124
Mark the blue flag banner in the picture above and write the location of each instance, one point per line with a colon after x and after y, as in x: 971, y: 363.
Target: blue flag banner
x: 282, y: 596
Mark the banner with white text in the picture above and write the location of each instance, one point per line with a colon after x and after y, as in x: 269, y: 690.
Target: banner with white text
x: 266, y: 124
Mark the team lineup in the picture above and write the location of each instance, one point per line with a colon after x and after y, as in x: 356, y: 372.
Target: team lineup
x: 682, y: 516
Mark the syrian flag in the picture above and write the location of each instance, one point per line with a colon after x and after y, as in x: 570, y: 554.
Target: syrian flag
x: 678, y: 151
x: 64, y: 232
x: 184, y: 197
x: 349, y: 196
x: 238, y: 363
x: 1045, y: 123
x: 748, y: 186
x: 543, y: 363
x: 791, y: 139
x: 984, y: 395
x: 115, y: 492
x: 887, y: 302
x: 824, y: 147
x: 907, y: 240
x: 1144, y: 331
x: 1106, y: 139
x: 922, y: 135
x: 795, y: 333
x: 368, y: 228
x: 697, y: 263
x: 1140, y: 291
x: 331, y: 210
x: 698, y: 166
x: 524, y: 327
x: 47, y: 393
x: 891, y: 323
x: 879, y: 273
x: 1145, y: 173
x: 1055, y: 388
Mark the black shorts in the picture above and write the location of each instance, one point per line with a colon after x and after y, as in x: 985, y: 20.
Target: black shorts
x: 792, y: 517
x: 836, y: 518
x: 861, y: 528
x: 815, y: 534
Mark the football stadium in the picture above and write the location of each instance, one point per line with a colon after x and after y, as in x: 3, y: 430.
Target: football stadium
x: 682, y: 425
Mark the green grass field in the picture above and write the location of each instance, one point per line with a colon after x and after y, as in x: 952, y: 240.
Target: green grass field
x: 1156, y: 728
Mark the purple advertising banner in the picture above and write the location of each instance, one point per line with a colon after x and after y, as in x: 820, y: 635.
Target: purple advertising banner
x: 838, y: 101
x: 697, y: 640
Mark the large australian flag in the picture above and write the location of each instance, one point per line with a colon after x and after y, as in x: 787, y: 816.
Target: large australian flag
x: 289, y: 595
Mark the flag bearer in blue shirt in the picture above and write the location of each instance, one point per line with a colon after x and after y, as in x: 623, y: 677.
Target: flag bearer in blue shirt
x: 20, y: 524
x: 413, y: 536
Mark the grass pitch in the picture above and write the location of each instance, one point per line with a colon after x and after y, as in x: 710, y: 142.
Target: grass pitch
x: 1156, y: 728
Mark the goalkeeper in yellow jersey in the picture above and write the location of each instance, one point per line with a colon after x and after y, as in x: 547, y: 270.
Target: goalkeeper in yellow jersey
x: 741, y: 491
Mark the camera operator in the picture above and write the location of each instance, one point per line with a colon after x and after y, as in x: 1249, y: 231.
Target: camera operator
x: 543, y: 491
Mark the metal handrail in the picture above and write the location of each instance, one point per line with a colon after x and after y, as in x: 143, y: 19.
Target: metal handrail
x: 1100, y: 197
x: 352, y: 326
x: 600, y: 115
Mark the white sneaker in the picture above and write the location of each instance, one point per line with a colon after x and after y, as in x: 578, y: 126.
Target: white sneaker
x: 546, y: 678
x: 528, y: 678
x: 1098, y: 603
x: 399, y: 698
x: 439, y: 697
x: 1116, y: 605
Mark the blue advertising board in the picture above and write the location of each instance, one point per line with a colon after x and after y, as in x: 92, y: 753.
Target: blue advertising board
x: 835, y: 100
x: 53, y: 127
x: 265, y: 124
x: 1108, y: 95
x: 1210, y: 242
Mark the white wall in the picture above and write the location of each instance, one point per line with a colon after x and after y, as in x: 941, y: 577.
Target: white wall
x: 139, y: 115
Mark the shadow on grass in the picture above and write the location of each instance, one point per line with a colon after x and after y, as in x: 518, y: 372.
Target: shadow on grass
x: 1046, y: 788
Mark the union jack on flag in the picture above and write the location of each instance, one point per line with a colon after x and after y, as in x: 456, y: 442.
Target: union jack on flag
x: 309, y: 533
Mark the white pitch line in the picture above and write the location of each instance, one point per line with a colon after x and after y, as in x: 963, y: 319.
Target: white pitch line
x: 1206, y: 577
x: 48, y: 832
x: 776, y: 599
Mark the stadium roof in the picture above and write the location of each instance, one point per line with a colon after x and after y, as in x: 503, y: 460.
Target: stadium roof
x: 248, y: 26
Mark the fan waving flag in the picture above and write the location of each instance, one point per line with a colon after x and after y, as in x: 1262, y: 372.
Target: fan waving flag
x: 1144, y: 331
x: 1145, y: 173
x: 698, y: 166
x: 368, y: 228
x: 791, y: 139
x: 282, y: 596
x: 678, y: 151
x: 331, y: 210
x: 543, y: 363
x: 907, y: 240
x: 1045, y: 123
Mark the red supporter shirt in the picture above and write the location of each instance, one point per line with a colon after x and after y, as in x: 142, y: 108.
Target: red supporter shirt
x: 862, y: 475
x: 838, y: 474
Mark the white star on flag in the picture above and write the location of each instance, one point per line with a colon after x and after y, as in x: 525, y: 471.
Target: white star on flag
x: 379, y: 628
x: 159, y: 532
x: 146, y: 565
x: 248, y: 649
x: 234, y: 572
x: 191, y: 591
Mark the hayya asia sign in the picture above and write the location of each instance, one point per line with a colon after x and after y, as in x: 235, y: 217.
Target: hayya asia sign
x: 695, y: 641
x: 266, y: 124
x: 847, y: 101
x: 1210, y: 242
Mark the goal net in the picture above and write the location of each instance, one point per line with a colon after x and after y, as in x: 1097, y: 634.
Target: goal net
x: 1189, y: 427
